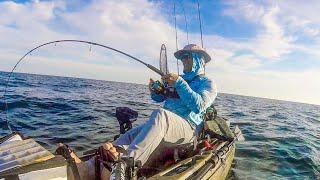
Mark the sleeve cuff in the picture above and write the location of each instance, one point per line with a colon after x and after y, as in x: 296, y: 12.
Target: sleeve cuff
x: 179, y: 82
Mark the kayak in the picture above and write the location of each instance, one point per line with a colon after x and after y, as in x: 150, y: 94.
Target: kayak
x: 208, y: 158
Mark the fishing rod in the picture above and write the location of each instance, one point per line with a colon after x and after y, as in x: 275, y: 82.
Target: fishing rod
x: 186, y: 22
x: 200, y: 23
x: 175, y: 27
x: 69, y: 40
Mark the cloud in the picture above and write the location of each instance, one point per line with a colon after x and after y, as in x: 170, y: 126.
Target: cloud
x: 246, y: 62
x: 272, y: 43
x: 244, y: 10
x: 283, y: 28
x: 305, y: 20
x: 129, y: 26
x: 302, y: 11
x: 297, y: 25
x: 24, y: 15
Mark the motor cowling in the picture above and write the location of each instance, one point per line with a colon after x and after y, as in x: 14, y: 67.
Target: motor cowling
x: 125, y: 117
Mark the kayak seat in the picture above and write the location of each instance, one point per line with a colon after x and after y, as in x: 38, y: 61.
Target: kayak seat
x: 164, y: 157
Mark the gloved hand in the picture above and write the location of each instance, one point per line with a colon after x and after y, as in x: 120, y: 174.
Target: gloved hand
x: 170, y: 78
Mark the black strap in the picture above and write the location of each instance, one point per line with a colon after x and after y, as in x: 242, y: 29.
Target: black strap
x: 65, y: 152
x: 74, y: 168
x: 12, y: 177
x: 97, y: 168
x: 210, y: 113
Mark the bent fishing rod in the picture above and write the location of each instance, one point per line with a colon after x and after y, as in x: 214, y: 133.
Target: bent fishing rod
x: 77, y: 41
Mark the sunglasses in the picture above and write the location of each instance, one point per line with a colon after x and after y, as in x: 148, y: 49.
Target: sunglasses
x: 185, y: 56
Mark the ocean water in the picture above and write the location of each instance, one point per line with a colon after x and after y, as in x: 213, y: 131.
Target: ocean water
x: 282, y: 138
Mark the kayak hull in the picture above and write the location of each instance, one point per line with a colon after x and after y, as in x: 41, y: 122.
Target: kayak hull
x: 222, y: 172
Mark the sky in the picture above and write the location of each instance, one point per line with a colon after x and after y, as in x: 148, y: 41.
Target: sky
x: 260, y: 48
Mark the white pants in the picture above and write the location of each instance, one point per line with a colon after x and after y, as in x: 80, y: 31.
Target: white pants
x: 163, y: 127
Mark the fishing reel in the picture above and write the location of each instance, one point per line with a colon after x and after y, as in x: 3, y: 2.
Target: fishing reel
x: 158, y: 87
x: 164, y: 89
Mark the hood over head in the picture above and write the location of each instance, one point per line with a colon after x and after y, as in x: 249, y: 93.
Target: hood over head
x: 198, y: 65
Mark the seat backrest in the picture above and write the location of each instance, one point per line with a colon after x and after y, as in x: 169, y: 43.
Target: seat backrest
x: 218, y: 126
x: 210, y: 114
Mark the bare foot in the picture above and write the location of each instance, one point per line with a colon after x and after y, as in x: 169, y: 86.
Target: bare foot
x: 75, y: 157
x: 110, y: 150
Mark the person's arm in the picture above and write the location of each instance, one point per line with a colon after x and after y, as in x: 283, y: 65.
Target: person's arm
x: 196, y: 101
x: 157, y: 97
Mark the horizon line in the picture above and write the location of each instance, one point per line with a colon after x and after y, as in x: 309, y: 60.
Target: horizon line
x: 86, y: 78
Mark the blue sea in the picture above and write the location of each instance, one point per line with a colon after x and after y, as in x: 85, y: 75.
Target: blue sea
x: 282, y: 138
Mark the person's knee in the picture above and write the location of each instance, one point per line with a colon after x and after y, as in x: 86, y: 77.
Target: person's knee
x: 158, y: 116
x: 158, y: 112
x: 161, y: 111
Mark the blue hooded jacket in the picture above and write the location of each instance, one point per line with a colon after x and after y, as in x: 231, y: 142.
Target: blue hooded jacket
x: 196, y: 93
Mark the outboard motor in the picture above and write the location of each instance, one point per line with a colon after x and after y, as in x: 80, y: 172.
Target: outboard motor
x: 125, y: 117
x: 126, y: 167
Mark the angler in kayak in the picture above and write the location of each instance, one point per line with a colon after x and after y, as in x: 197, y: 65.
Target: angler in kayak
x: 180, y: 120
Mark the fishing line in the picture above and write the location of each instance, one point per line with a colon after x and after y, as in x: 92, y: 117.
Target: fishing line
x: 60, y: 41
